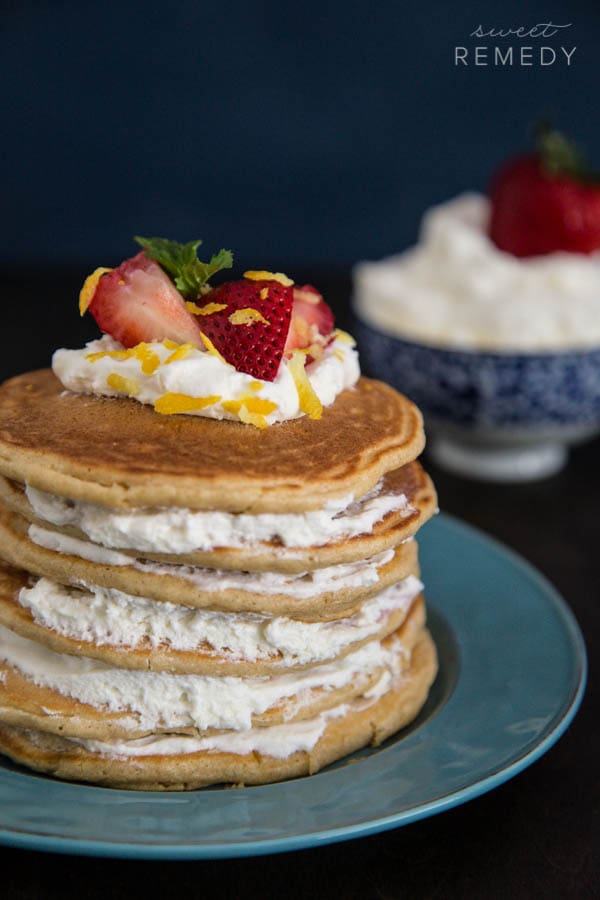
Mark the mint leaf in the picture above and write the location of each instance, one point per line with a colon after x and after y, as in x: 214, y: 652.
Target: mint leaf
x: 181, y: 262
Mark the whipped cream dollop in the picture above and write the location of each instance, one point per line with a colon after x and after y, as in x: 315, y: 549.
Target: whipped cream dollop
x: 161, y: 700
x: 107, y: 616
x: 180, y: 531
x: 457, y: 289
x: 302, y: 585
x: 201, y: 374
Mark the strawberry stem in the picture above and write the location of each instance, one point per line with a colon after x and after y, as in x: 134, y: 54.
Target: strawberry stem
x: 560, y: 156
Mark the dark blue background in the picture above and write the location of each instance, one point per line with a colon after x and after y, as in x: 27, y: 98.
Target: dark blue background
x: 312, y: 133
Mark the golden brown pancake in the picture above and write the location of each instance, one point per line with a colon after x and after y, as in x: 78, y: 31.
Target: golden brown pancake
x: 172, y: 587
x: 203, y: 660
x: 124, y: 456
x: 120, y: 453
x: 363, y: 723
x: 391, y: 530
x: 30, y: 705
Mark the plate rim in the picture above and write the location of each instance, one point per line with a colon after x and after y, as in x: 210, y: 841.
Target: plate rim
x: 32, y: 840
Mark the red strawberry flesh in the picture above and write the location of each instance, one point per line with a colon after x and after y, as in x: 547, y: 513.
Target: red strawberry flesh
x: 537, y: 210
x: 255, y: 348
x: 138, y: 302
x: 312, y: 319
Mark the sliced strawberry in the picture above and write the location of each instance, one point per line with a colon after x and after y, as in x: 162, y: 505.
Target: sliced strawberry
x: 312, y: 319
x: 138, y: 302
x: 251, y: 330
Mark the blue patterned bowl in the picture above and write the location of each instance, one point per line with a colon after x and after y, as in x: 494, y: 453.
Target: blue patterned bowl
x: 499, y: 416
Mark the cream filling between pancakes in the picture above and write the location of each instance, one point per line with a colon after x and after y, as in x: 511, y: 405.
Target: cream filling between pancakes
x: 181, y: 531
x: 106, y: 616
x: 279, y: 741
x: 303, y: 585
x: 161, y: 700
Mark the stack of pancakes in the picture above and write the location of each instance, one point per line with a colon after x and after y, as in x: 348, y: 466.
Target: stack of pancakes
x: 188, y: 601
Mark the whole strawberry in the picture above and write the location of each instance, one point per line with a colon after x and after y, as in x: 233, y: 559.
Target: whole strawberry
x: 546, y: 202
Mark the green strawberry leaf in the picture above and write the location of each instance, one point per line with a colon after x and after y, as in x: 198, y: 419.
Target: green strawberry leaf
x: 560, y: 156
x: 181, y: 262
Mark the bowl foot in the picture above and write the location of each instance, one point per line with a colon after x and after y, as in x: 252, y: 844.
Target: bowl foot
x: 498, y: 463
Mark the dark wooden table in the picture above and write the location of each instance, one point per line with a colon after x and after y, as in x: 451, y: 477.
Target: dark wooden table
x: 537, y: 836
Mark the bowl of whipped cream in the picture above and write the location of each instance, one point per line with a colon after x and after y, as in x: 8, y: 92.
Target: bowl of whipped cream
x: 501, y: 353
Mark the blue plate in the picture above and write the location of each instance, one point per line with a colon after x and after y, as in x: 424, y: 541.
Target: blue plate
x: 512, y: 673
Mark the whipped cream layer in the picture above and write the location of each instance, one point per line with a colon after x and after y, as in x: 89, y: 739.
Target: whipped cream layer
x: 106, y: 616
x: 457, y: 289
x: 168, y: 701
x: 279, y: 741
x: 201, y: 374
x: 180, y: 531
x: 361, y: 574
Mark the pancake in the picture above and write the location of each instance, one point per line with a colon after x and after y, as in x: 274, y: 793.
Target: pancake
x: 121, y: 454
x: 364, y: 721
x: 125, y: 703
x: 221, y: 644
x: 180, y: 585
x: 409, y: 481
x: 157, y: 634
